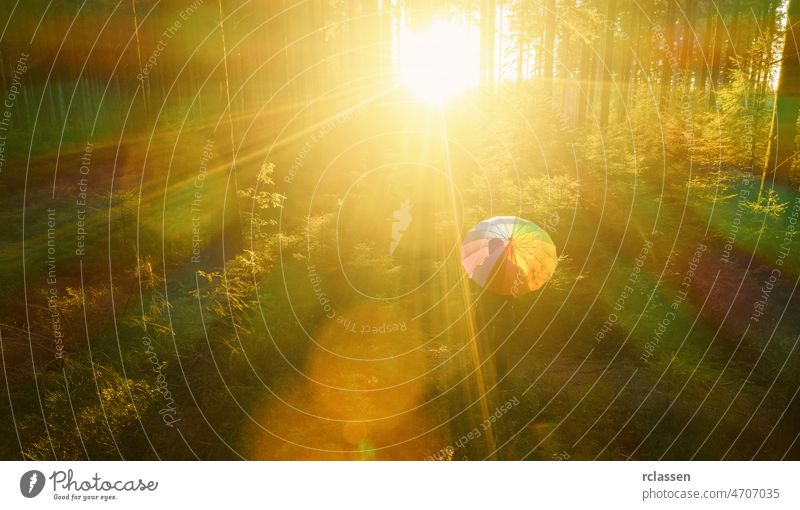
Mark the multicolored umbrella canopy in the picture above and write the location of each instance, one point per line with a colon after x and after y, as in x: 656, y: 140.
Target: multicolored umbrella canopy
x: 508, y: 255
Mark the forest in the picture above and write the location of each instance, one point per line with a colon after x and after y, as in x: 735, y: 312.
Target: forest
x: 238, y: 229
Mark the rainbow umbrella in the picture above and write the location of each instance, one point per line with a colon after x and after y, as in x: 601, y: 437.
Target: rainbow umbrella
x: 508, y: 255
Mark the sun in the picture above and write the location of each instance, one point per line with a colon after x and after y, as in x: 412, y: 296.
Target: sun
x: 440, y: 63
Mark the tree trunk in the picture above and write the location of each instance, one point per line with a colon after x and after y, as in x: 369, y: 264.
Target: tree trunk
x: 484, y: 41
x: 669, y: 56
x: 708, y: 35
x: 584, y: 96
x: 732, y: 50
x: 716, y: 61
x: 781, y: 147
x: 608, y: 62
x: 142, y: 80
x: 687, y: 43
x: 231, y: 234
x: 632, y: 30
x: 568, y: 65
x: 549, y: 43
x: 490, y: 27
x: 500, y: 54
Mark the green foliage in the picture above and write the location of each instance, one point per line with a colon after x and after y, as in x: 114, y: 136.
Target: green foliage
x: 229, y: 294
x: 770, y: 204
x: 260, y: 201
x: 152, y: 319
x: 712, y: 187
x: 91, y: 413
x: 734, y: 135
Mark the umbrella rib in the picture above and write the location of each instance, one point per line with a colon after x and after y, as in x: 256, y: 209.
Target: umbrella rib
x: 520, y: 252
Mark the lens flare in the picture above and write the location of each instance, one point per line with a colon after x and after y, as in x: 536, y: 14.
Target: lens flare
x: 440, y: 63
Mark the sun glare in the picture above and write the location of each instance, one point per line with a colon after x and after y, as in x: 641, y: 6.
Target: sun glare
x: 440, y: 63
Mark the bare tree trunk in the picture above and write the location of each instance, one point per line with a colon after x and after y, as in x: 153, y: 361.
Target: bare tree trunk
x: 669, y: 56
x: 687, y: 43
x: 716, y: 60
x: 231, y: 221
x: 549, y: 43
x: 500, y: 59
x: 490, y: 29
x: 632, y: 29
x: 729, y: 49
x: 484, y: 41
x: 584, y: 95
x: 608, y: 62
x: 783, y: 131
x: 139, y: 59
x: 568, y: 65
x: 707, y: 35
